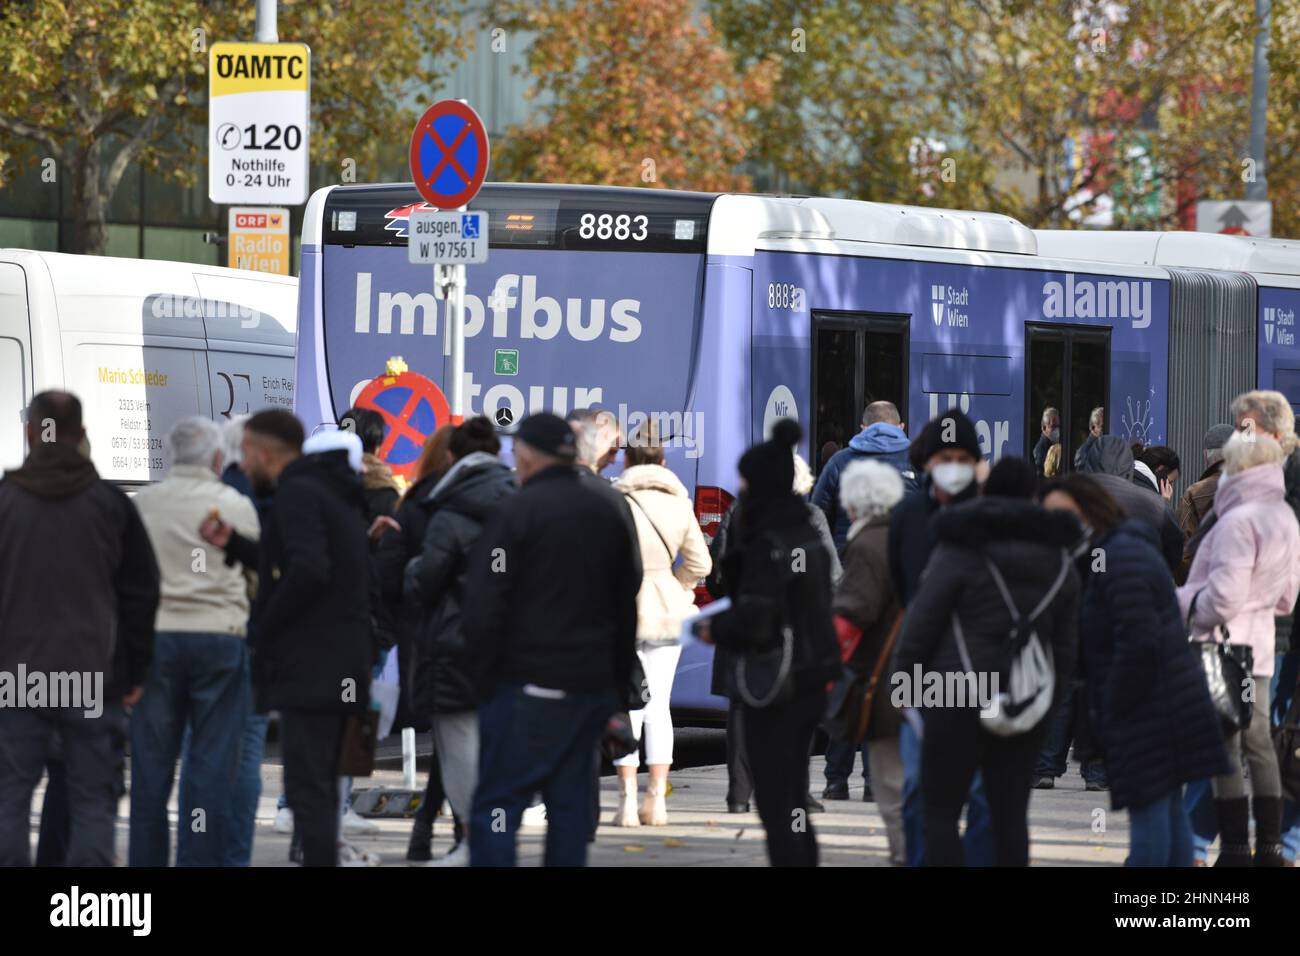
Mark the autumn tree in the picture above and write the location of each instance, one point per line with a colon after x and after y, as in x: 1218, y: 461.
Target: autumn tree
x: 630, y: 92
x: 93, y: 87
x: 1049, y: 111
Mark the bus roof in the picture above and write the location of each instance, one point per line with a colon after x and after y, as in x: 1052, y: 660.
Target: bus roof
x: 548, y: 215
x: 1191, y: 250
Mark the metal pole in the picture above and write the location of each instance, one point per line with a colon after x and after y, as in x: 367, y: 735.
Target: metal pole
x: 1258, y: 189
x: 457, y: 396
x: 267, y: 30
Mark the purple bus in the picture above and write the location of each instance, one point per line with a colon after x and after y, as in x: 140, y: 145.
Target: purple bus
x: 719, y: 313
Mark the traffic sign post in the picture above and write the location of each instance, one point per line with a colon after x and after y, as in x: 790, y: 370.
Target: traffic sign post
x: 259, y: 97
x: 448, y: 156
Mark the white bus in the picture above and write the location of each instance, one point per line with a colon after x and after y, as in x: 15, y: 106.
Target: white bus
x: 142, y: 343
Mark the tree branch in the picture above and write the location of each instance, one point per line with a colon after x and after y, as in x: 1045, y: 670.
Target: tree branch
x: 35, y: 133
x: 131, y: 148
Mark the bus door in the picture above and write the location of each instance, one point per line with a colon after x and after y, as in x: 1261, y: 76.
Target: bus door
x: 858, y: 358
x: 1067, y: 368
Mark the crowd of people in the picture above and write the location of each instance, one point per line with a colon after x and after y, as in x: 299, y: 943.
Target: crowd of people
x: 960, y: 626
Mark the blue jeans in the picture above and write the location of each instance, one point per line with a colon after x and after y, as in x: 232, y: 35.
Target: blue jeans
x: 1069, y: 722
x: 248, y: 791
x: 92, y: 761
x: 840, y: 756
x: 977, y: 842
x: 1286, y: 670
x: 528, y: 745
x: 1198, y: 802
x: 1159, y: 833
x: 197, y: 681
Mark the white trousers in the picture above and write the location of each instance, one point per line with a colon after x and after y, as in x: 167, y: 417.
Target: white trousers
x: 455, y: 738
x: 655, y: 718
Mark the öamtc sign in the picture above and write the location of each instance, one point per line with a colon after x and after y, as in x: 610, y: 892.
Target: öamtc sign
x: 259, y: 101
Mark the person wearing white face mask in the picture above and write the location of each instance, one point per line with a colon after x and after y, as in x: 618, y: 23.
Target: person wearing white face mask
x: 948, y: 452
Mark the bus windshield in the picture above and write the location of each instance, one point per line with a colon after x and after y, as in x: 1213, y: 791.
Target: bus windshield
x: 590, y: 296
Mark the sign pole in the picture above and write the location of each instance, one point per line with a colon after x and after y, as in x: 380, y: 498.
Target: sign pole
x: 267, y: 29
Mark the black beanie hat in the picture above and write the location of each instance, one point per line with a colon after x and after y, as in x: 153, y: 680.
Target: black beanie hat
x: 768, y: 467
x: 952, y: 429
x: 549, y: 434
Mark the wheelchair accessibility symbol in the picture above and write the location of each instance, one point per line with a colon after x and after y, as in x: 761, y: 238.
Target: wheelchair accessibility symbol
x: 469, y: 226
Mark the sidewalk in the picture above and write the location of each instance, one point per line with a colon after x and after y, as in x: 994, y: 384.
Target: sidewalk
x: 702, y: 833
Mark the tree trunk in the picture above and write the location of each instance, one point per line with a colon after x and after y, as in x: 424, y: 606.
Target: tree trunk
x: 89, y: 204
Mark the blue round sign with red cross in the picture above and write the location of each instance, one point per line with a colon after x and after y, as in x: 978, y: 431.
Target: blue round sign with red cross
x: 449, y: 154
x: 412, y: 407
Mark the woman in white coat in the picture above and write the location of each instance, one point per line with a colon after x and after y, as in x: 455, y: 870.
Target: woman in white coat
x: 674, y: 557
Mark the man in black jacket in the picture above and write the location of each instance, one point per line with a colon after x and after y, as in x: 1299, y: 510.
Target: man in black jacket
x: 550, y: 626
x: 310, y: 633
x: 1109, y: 460
x: 78, y: 593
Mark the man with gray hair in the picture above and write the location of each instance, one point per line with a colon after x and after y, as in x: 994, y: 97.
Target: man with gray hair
x: 199, y: 676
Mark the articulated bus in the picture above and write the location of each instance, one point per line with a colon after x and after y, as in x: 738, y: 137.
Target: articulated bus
x: 1233, y: 304
x: 719, y: 313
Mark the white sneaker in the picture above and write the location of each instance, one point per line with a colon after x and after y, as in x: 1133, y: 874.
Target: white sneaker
x: 350, y: 855
x: 459, y: 856
x: 355, y: 823
x: 283, y: 820
x: 534, y: 816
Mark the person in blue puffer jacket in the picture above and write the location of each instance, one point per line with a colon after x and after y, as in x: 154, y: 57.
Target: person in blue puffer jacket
x: 881, y: 439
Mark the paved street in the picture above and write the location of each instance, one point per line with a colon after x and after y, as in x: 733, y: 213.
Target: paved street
x: 702, y: 833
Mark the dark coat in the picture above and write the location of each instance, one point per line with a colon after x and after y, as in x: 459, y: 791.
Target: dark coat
x: 1026, y: 543
x: 550, y: 597
x: 79, y: 583
x: 767, y: 590
x: 865, y: 597
x: 1109, y: 460
x: 716, y: 584
x: 404, y: 614
x: 457, y: 507
x: 1147, y: 695
x: 911, y: 536
x: 311, y: 634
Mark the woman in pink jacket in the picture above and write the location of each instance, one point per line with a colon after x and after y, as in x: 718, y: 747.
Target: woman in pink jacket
x: 1247, y: 570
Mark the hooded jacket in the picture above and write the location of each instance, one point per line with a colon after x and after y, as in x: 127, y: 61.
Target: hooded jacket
x: 79, y: 583
x: 1148, y: 699
x: 880, y: 441
x: 1247, y: 568
x: 1109, y: 460
x: 1027, y: 544
x: 311, y: 632
x: 458, y: 506
x: 666, y: 528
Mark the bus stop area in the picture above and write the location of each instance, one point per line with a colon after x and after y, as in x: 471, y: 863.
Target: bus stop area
x: 1068, y: 827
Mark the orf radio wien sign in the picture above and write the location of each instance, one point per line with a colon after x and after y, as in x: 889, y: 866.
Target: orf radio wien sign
x: 259, y: 98
x: 259, y: 239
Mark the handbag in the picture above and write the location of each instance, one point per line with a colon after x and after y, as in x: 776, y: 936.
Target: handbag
x: 1286, y: 742
x: 357, y: 754
x: 853, y: 698
x: 1226, y: 670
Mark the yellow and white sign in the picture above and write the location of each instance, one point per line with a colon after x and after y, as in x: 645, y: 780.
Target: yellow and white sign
x: 258, y: 239
x: 259, y: 102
